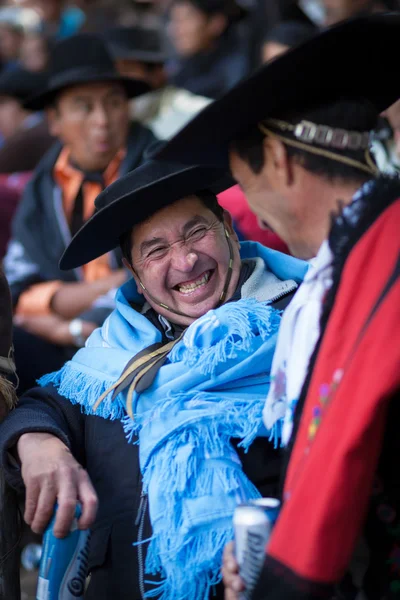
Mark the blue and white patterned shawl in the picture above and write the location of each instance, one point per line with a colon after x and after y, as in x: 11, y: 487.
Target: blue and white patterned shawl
x: 211, y: 389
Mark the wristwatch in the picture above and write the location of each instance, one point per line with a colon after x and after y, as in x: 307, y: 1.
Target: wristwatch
x: 75, y: 328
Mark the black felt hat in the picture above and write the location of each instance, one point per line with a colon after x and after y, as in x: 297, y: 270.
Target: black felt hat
x: 234, y: 11
x: 134, y: 198
x: 80, y: 59
x: 20, y: 83
x: 136, y: 43
x: 357, y: 59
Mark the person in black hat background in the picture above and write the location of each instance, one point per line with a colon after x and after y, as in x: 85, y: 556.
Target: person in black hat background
x: 141, y: 53
x: 26, y: 132
x: 284, y: 36
x: 87, y: 106
x: 16, y: 86
x: 186, y: 264
x: 297, y: 137
x: 211, y: 55
x: 12, y: 35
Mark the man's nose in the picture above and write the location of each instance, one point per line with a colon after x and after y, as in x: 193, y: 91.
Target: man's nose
x: 100, y: 115
x: 183, y: 259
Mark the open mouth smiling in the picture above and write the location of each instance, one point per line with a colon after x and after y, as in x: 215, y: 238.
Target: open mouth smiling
x: 189, y: 287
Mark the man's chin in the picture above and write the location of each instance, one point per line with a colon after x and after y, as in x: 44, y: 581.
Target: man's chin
x: 101, y: 158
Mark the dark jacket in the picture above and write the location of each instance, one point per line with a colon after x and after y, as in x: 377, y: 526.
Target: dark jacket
x: 100, y: 446
x: 40, y: 232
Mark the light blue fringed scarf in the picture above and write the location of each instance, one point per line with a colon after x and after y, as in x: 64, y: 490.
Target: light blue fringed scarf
x: 211, y: 389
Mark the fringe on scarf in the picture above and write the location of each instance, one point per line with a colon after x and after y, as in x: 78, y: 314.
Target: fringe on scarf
x: 247, y: 319
x: 178, y: 547
x: 228, y: 414
x: 84, y: 389
x: 8, y: 393
x: 275, y: 435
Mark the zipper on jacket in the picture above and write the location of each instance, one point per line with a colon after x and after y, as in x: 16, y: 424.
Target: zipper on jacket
x: 140, y: 521
x: 283, y: 294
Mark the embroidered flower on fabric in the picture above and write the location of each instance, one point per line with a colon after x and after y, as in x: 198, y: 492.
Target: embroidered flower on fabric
x: 279, y: 383
x: 325, y: 394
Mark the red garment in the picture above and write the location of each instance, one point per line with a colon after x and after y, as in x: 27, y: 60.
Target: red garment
x: 234, y: 201
x: 339, y: 441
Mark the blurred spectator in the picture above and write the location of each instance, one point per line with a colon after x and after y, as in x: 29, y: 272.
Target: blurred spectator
x: 211, y: 56
x: 140, y: 53
x: 59, y: 20
x: 339, y: 10
x: 11, y: 189
x: 9, y: 199
x: 35, y: 52
x: 284, y: 36
x: 26, y: 133
x: 386, y: 145
x: 88, y: 111
x: 393, y: 116
x: 16, y: 87
x: 11, y: 38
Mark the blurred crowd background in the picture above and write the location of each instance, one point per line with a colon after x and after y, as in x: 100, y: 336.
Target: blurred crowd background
x: 188, y: 52
x: 201, y: 47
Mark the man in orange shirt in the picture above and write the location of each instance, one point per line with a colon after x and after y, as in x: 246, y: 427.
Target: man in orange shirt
x: 87, y: 105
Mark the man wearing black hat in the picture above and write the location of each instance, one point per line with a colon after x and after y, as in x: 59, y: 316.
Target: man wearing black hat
x: 87, y: 107
x: 187, y: 348
x: 25, y: 132
x: 212, y: 55
x: 141, y: 53
x: 297, y: 135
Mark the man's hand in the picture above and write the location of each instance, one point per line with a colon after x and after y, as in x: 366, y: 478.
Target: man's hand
x: 73, y: 299
x: 51, y: 474
x: 52, y: 328
x: 230, y: 571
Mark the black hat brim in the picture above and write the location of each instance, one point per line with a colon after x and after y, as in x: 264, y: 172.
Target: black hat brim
x: 133, y: 87
x: 357, y: 59
x: 134, y: 198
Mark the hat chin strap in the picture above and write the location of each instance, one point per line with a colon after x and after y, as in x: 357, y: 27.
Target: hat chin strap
x: 222, y: 297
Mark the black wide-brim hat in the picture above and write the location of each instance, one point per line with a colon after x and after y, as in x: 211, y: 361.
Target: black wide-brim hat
x: 357, y: 59
x: 136, y: 43
x: 81, y: 59
x: 20, y: 83
x: 134, y: 198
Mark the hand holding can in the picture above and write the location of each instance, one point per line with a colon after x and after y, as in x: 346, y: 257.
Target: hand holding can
x: 64, y: 563
x: 253, y: 523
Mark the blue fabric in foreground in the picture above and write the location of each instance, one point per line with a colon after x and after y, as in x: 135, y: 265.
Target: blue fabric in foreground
x: 211, y: 389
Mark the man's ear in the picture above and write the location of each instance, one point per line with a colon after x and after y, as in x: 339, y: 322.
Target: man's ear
x: 128, y: 266
x: 53, y: 119
x: 228, y: 224
x: 278, y: 163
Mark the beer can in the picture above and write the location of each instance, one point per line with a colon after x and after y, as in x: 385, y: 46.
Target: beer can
x: 64, y: 563
x: 253, y: 523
